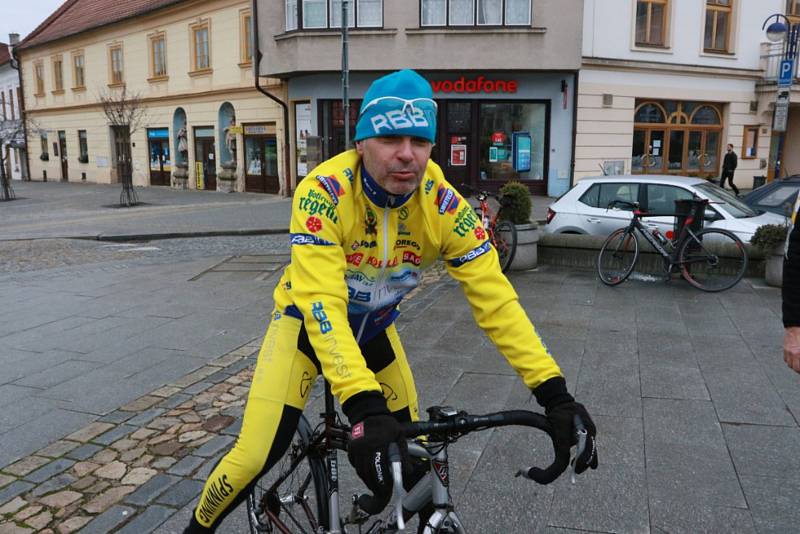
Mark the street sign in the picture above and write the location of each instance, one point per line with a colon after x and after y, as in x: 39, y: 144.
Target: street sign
x: 781, y: 111
x: 786, y: 73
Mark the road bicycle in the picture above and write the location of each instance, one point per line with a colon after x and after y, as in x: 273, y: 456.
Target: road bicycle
x: 710, y: 259
x: 300, y: 494
x: 502, y: 233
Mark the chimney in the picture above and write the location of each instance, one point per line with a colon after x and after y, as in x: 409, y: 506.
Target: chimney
x: 13, y: 39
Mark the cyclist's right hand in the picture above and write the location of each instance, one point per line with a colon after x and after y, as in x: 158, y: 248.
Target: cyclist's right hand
x: 368, y: 449
x: 368, y: 452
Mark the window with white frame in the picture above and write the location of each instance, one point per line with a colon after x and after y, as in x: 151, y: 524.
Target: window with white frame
x: 327, y: 14
x: 475, y: 12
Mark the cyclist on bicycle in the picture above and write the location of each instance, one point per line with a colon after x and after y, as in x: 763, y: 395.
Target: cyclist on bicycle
x: 364, y: 225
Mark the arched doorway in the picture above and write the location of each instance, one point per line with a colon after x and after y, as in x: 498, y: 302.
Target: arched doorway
x: 672, y: 137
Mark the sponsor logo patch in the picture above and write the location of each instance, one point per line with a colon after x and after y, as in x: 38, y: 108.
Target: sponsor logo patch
x: 410, y: 257
x: 358, y: 431
x: 307, y: 239
x: 370, y: 222
x: 319, y: 314
x: 465, y: 221
x: 313, y: 224
x: 332, y: 186
x: 480, y: 233
x: 447, y: 200
x: 471, y: 255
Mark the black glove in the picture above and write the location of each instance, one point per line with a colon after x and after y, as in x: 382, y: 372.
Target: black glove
x: 368, y: 450
x: 561, y: 409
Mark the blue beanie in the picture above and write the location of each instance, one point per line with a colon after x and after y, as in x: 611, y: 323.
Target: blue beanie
x: 398, y: 116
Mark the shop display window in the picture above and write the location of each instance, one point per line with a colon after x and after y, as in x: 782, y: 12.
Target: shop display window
x: 498, y: 121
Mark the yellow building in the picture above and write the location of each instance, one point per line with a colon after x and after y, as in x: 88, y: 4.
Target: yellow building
x: 204, y: 123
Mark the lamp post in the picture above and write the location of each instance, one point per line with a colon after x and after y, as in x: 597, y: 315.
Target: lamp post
x: 345, y: 74
x: 782, y: 29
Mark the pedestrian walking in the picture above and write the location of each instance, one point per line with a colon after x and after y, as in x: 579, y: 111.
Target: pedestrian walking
x: 728, y: 166
x: 791, y: 294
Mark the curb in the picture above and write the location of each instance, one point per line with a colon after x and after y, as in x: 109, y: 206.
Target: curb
x: 155, y: 237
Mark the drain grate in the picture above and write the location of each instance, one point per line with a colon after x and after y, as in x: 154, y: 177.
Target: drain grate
x: 257, y: 268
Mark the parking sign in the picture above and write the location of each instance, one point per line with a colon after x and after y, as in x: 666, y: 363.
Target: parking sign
x: 785, y: 73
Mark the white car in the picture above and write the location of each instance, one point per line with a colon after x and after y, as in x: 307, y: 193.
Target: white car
x: 584, y: 208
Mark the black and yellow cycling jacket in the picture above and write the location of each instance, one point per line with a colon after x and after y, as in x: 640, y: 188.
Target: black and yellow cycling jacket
x: 356, y: 251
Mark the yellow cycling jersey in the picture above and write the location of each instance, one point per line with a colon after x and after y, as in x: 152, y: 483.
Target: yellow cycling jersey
x: 356, y: 251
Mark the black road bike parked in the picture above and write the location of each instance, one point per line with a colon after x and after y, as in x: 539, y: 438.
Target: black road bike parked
x: 710, y: 259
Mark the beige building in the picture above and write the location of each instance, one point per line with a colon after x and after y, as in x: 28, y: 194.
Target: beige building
x: 665, y: 85
x: 503, y: 72
x: 190, y: 62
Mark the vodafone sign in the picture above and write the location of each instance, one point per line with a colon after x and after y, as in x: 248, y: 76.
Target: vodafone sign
x: 476, y: 85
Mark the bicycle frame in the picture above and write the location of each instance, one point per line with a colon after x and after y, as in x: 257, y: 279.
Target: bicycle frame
x: 488, y: 215
x: 429, y: 489
x: 686, y: 233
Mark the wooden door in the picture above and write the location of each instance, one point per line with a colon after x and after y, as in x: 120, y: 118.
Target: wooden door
x: 62, y: 149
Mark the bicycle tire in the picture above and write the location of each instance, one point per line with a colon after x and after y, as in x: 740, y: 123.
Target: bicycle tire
x: 617, y: 257
x: 310, y: 471
x: 505, y: 242
x: 714, y: 260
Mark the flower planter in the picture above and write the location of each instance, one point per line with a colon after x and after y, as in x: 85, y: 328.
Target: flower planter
x: 527, y: 255
x: 773, y: 270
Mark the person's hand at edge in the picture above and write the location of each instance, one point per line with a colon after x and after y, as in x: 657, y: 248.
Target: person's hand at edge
x: 791, y: 347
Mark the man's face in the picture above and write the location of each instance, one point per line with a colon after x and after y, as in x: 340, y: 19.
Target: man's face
x: 397, y: 163
x: 730, y: 148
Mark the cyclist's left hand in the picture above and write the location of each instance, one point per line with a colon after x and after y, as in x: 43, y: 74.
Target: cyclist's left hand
x: 561, y: 409
x: 562, y: 418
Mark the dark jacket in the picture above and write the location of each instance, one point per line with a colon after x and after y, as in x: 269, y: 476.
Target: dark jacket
x: 791, y: 275
x: 730, y: 162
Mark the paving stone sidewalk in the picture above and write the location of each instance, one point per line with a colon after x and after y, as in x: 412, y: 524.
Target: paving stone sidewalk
x: 133, y: 468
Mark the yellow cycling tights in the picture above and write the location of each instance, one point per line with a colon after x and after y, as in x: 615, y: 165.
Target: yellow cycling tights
x: 286, y: 368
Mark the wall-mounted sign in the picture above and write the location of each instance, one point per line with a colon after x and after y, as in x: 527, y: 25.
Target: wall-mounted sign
x: 259, y: 129
x: 521, y: 144
x: 492, y: 154
x: 458, y: 155
x: 158, y: 133
x: 102, y: 161
x: 476, y: 85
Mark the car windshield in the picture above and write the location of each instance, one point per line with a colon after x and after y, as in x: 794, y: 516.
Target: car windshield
x: 735, y: 207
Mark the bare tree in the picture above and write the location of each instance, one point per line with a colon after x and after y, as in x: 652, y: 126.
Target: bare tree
x: 126, y: 113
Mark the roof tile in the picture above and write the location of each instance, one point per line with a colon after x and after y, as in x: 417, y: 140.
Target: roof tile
x: 76, y: 16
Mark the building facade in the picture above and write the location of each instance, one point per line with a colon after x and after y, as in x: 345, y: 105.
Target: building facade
x: 13, y: 142
x: 187, y: 65
x: 665, y: 85
x: 503, y: 73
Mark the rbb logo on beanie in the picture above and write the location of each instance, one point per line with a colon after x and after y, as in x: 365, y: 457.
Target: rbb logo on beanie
x: 400, y: 103
x: 409, y: 117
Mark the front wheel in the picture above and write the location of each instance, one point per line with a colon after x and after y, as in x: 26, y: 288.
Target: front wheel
x: 712, y: 259
x: 617, y: 257
x: 505, y: 241
x: 293, y: 494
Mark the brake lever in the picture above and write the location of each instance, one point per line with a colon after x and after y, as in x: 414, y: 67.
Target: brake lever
x: 581, y: 433
x: 399, y: 492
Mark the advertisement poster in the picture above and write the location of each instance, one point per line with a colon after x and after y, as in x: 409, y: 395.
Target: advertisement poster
x: 492, y: 154
x: 521, y: 145
x: 458, y: 155
x: 198, y: 166
x: 302, y: 117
